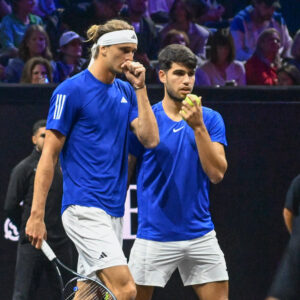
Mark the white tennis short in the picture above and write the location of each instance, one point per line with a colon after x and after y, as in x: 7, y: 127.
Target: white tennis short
x: 199, y: 261
x: 97, y: 237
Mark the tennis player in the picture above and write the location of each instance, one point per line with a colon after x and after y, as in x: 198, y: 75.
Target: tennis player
x: 88, y: 123
x: 175, y: 229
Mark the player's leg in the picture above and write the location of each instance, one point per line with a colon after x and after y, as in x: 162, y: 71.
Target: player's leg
x: 97, y: 237
x: 119, y: 280
x: 152, y: 263
x: 212, y: 291
x: 144, y: 292
x: 204, y: 268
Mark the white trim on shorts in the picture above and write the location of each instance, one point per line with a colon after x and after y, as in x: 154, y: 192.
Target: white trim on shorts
x: 199, y: 261
x: 97, y: 237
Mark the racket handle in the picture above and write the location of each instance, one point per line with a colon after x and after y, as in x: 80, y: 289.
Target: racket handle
x: 47, y: 251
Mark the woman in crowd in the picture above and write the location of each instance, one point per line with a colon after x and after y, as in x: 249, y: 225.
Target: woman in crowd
x: 35, y: 43
x: 261, y: 68
x: 70, y: 61
x: 288, y: 75
x: 180, y: 19
x: 221, y: 68
x: 37, y: 70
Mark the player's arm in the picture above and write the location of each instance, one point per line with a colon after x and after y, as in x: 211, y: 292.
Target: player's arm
x: 288, y: 219
x: 211, y: 154
x: 35, y: 227
x: 145, y: 126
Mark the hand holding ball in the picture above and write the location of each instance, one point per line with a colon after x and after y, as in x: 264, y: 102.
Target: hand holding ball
x: 194, y: 97
x: 188, y: 99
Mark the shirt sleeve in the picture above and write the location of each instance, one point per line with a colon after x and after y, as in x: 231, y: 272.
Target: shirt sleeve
x: 64, y: 108
x: 135, y: 147
x: 15, y: 194
x: 216, y: 129
x: 292, y: 200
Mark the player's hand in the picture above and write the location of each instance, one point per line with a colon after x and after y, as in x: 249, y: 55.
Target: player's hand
x: 135, y: 73
x: 192, y: 114
x: 36, y: 231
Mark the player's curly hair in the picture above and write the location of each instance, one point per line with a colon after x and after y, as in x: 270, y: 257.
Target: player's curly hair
x: 176, y: 53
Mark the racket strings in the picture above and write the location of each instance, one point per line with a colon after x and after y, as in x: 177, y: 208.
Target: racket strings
x: 86, y: 290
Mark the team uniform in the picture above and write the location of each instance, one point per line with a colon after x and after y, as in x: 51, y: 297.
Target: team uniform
x: 175, y: 228
x: 286, y: 285
x: 95, y: 119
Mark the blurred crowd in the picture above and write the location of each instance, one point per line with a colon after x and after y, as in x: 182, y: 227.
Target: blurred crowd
x: 44, y: 41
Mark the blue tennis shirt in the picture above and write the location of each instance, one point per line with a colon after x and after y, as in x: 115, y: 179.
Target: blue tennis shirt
x: 95, y: 119
x: 172, y: 188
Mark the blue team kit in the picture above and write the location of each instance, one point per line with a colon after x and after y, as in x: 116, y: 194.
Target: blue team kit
x: 95, y: 119
x: 171, y: 182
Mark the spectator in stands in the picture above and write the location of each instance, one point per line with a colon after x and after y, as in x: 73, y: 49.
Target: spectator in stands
x: 261, y: 68
x: 44, y: 8
x: 148, y: 41
x: 288, y: 75
x: 80, y: 16
x: 175, y: 37
x: 35, y: 43
x: 180, y: 19
x: 221, y: 68
x: 254, y: 19
x: 296, y: 50
x: 159, y: 10
x: 70, y: 61
x: 37, y: 70
x: 208, y: 13
x: 14, y: 25
x: 5, y: 9
x: 55, y: 25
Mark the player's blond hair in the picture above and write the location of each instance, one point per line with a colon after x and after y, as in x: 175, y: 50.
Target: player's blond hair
x: 95, y: 31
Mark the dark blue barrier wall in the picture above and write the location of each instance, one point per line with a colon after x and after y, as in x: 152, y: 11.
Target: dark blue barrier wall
x: 263, y: 136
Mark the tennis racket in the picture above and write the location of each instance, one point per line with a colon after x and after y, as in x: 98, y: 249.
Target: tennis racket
x: 79, y: 287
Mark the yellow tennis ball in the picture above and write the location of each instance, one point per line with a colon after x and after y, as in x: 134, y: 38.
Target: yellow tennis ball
x: 194, y: 97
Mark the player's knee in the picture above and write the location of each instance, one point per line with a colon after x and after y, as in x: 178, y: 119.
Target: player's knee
x: 127, y: 292
x: 131, y: 291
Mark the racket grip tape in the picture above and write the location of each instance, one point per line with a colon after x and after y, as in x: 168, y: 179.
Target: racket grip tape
x: 48, y: 251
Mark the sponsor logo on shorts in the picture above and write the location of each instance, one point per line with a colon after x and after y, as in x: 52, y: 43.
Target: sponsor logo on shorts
x: 102, y: 255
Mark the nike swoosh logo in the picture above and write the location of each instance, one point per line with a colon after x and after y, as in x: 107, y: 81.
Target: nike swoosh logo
x: 177, y: 129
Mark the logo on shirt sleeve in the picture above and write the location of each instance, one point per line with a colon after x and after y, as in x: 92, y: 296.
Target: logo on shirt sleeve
x: 59, y: 105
